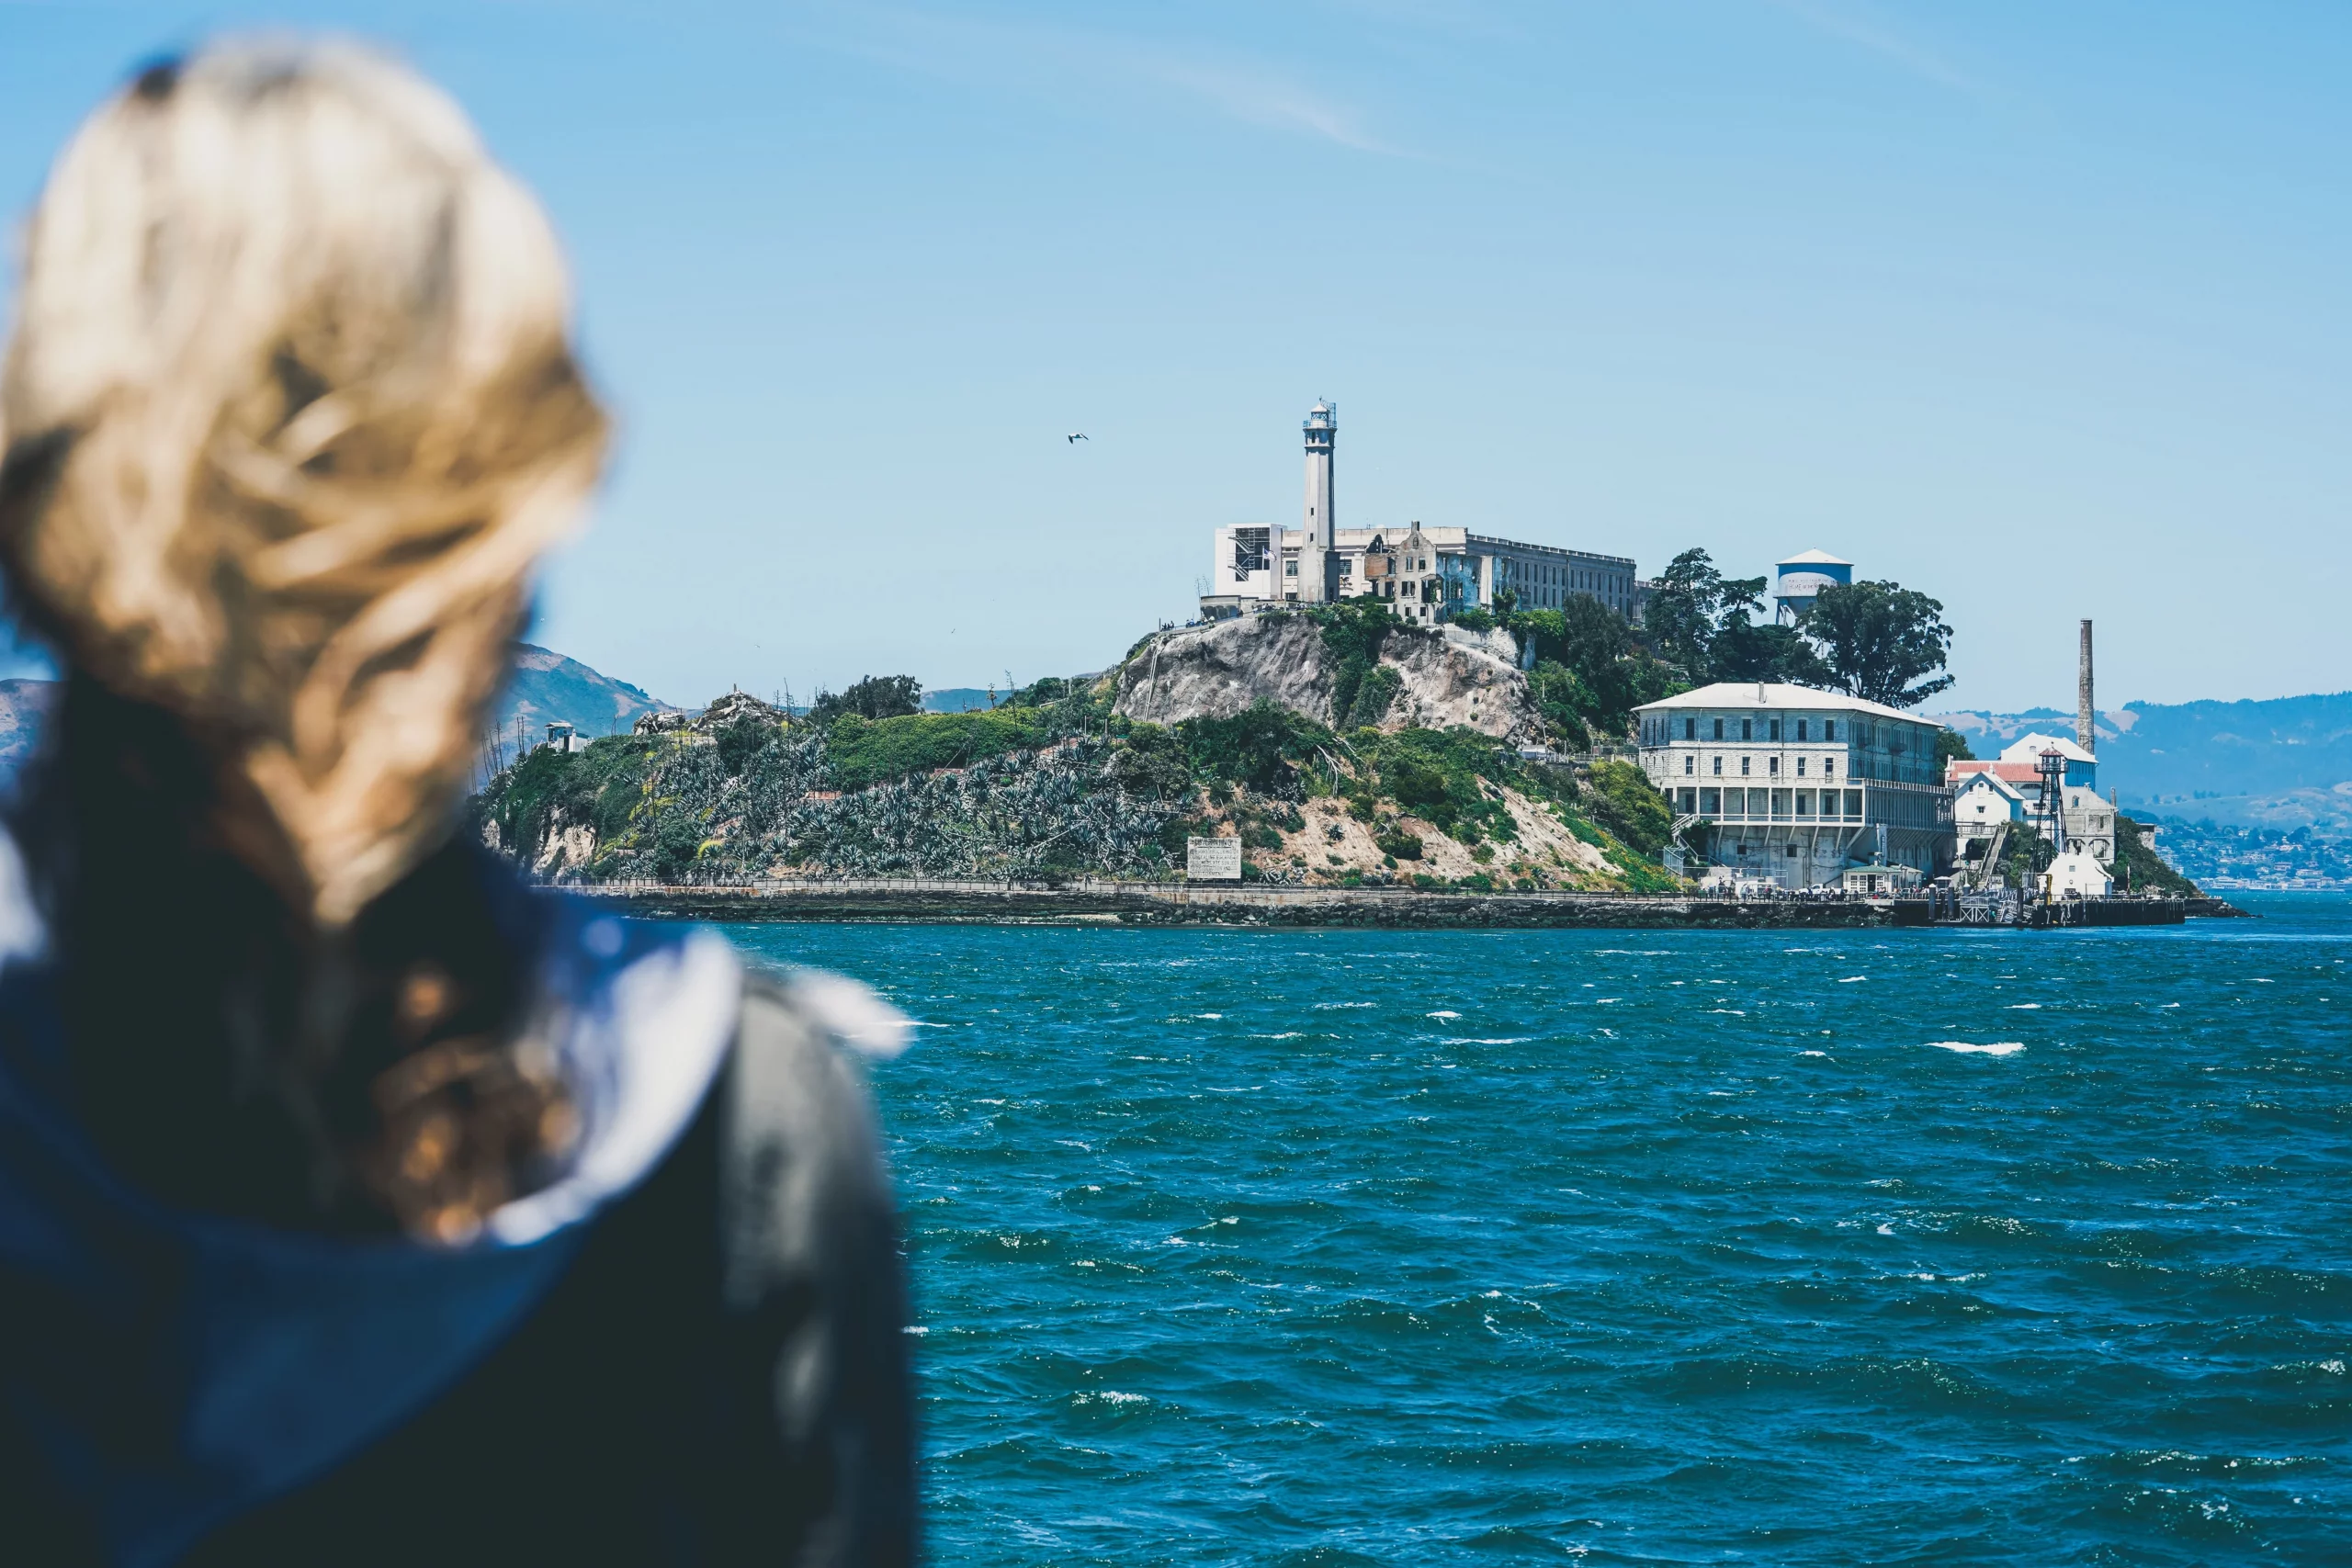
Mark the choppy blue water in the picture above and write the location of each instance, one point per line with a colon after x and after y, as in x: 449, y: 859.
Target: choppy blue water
x: 1475, y: 1248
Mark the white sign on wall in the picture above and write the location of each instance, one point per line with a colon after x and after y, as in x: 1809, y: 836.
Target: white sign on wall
x: 1213, y: 860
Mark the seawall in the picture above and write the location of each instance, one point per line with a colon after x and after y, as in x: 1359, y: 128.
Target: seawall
x: 1089, y: 901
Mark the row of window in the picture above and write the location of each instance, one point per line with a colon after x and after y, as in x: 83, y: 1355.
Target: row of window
x: 1560, y: 576
x: 1660, y: 729
x: 1772, y: 769
x: 1761, y: 805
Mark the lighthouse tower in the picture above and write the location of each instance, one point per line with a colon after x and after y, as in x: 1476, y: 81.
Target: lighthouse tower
x: 1315, y: 558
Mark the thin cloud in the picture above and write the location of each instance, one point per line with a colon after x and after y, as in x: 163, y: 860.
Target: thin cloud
x: 1259, y: 98
x: 1067, y: 62
x: 1881, y: 41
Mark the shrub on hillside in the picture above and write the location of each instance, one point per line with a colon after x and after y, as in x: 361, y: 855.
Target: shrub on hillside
x: 2141, y: 870
x: 868, y: 751
x: 598, y: 788
x: 1441, y: 776
x: 1354, y: 632
x: 1262, y: 747
x: 1152, y: 761
x: 1630, y: 806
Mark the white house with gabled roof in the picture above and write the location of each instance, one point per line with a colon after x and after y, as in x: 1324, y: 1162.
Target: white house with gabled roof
x: 2089, y: 820
x: 1982, y: 801
x: 1796, y: 784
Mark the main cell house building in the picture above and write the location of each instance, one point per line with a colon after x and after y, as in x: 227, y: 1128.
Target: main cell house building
x: 1793, y: 786
x: 1424, y: 572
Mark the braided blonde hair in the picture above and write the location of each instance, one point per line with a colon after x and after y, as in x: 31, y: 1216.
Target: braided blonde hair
x: 291, y: 413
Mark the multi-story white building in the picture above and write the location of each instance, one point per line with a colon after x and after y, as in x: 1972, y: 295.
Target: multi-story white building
x: 1426, y: 572
x: 1795, y: 786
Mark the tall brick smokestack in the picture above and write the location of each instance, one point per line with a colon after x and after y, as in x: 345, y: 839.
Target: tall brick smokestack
x: 2085, y: 735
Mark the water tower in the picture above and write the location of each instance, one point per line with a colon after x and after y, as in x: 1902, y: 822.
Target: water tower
x: 1797, y: 580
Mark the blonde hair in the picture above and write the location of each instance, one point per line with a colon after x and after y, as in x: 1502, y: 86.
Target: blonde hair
x: 290, y: 414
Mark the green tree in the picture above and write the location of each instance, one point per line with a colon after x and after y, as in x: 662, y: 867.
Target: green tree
x: 1597, y: 643
x: 1593, y: 637
x: 1881, y: 641
x: 1746, y: 650
x: 874, y: 696
x: 1952, y: 745
x: 1612, y: 673
x: 1563, y: 700
x: 1690, y: 605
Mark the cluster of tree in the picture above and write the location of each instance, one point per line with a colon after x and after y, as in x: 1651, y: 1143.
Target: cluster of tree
x: 874, y: 696
x: 1592, y: 667
x: 1878, y: 641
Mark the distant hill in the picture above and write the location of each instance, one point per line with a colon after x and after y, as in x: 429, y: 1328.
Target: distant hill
x: 547, y: 689
x: 957, y: 699
x: 2277, y: 764
x: 2225, y: 858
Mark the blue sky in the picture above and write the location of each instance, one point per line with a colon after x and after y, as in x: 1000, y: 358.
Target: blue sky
x: 2043, y: 310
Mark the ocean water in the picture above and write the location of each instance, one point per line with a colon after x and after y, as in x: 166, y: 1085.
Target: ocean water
x: 1484, y: 1248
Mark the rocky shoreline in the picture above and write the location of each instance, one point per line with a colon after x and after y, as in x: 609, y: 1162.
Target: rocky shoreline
x: 1103, y: 902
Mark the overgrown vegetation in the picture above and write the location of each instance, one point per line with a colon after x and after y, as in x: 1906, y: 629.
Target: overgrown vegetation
x: 1053, y: 785
x: 874, y: 696
x: 871, y: 752
x: 2139, y: 869
x: 1629, y: 807
x: 1354, y: 631
x: 1592, y: 669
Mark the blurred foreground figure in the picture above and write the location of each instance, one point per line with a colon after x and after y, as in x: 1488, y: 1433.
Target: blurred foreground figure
x: 356, y: 1204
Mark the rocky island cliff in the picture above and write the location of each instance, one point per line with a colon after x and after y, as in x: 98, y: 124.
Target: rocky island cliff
x: 1342, y: 748
x: 1391, y: 678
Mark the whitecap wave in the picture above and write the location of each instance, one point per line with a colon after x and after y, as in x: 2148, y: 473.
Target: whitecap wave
x: 1998, y: 1048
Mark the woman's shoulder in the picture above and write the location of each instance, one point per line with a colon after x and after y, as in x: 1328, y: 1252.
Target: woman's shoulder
x: 801, y: 1170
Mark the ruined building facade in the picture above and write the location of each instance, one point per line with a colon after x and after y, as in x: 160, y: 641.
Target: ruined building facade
x: 1427, y: 573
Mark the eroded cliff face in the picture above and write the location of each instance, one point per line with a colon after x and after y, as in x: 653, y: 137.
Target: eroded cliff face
x: 1446, y: 677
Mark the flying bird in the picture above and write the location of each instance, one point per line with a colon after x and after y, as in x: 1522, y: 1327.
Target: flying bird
x: 1076, y: 436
